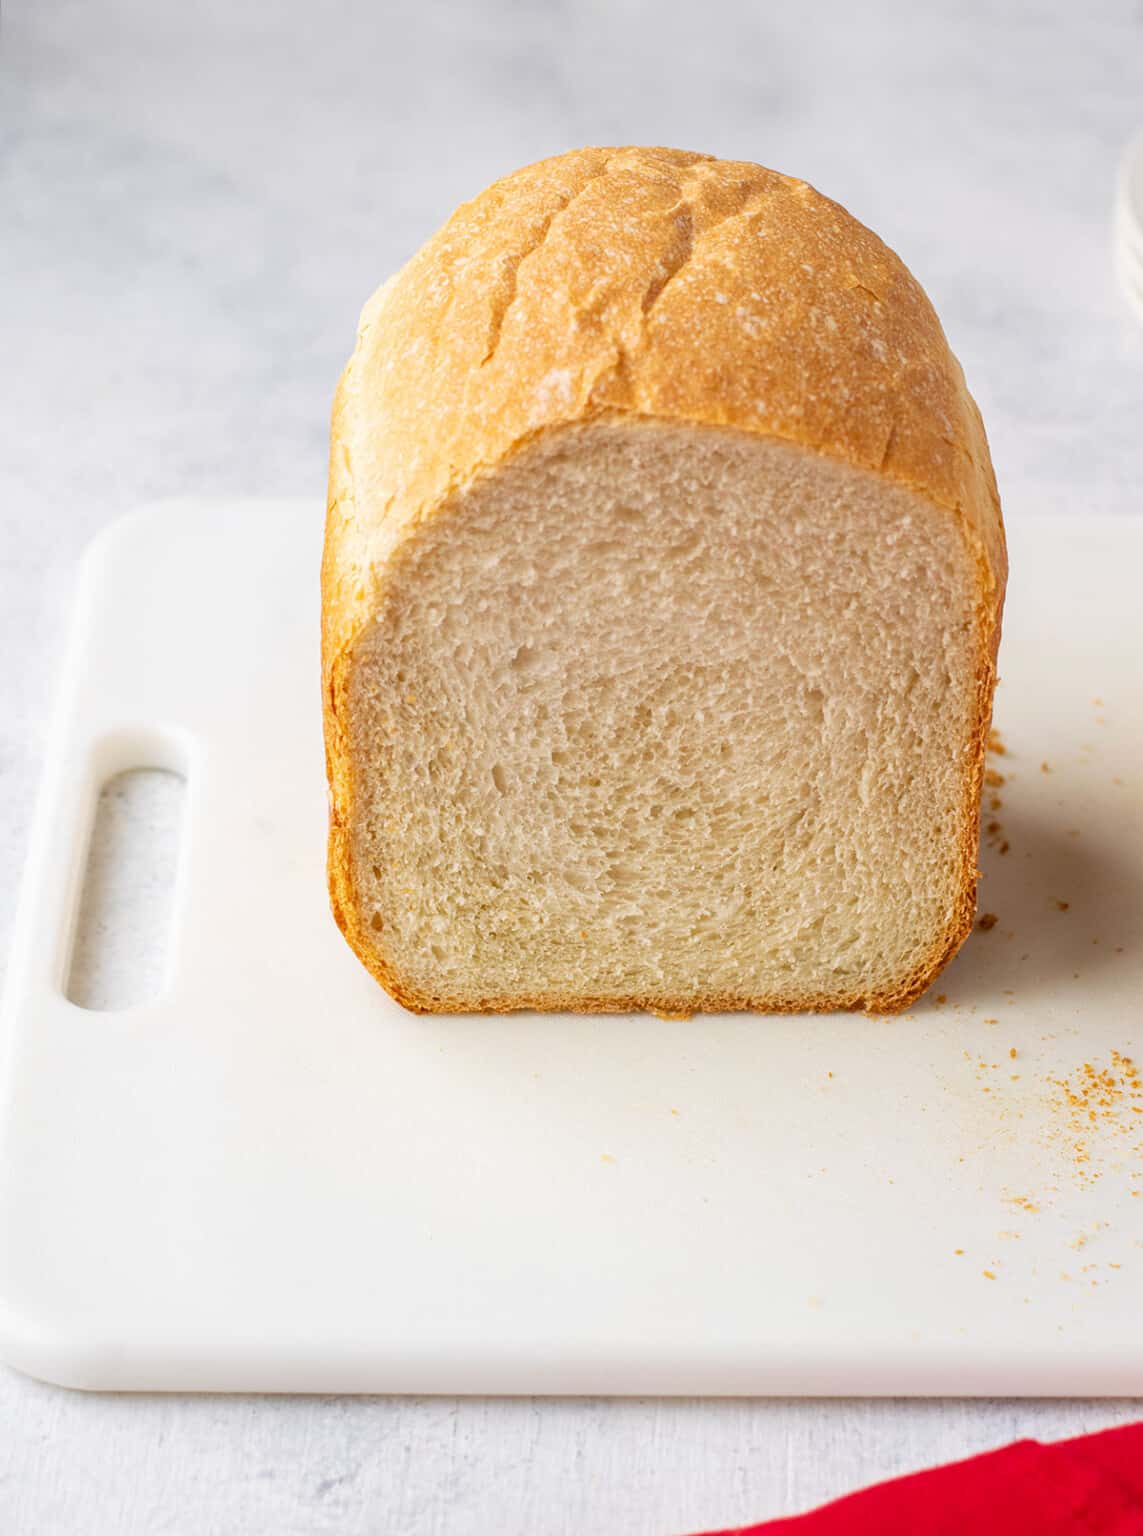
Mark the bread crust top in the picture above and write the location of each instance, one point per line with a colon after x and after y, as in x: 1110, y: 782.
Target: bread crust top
x: 660, y: 283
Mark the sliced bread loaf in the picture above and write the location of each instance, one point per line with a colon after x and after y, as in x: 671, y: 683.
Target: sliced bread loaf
x: 661, y: 595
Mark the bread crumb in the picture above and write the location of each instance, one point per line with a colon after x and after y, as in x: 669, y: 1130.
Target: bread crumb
x: 1044, y: 768
x: 992, y: 1021
x: 1062, y: 905
x: 1004, y: 847
x: 1093, y: 1104
x: 989, y: 920
x: 606, y: 1157
x: 1012, y: 1052
x: 941, y: 999
x: 988, y: 1274
x: 995, y: 744
x: 993, y: 779
x: 958, y: 1250
x: 994, y: 802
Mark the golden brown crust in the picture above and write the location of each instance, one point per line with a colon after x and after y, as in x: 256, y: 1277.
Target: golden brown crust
x: 663, y: 285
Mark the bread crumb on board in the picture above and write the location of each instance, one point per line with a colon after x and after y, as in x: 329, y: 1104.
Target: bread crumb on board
x: 1024, y: 1203
x: 1093, y: 1106
x: 996, y: 743
x: 994, y: 836
x: 1091, y: 1126
x: 986, y: 921
x: 1062, y: 906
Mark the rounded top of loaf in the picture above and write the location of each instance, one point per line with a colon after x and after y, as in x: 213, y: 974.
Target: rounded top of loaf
x: 661, y: 284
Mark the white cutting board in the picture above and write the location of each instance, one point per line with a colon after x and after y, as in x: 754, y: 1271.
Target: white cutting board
x: 274, y: 1178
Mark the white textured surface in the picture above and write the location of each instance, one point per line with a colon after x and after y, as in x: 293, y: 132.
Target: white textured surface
x: 273, y: 1177
x: 194, y: 202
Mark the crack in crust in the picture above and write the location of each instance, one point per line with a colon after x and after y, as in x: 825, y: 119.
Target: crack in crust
x: 676, y: 257
x: 510, y: 267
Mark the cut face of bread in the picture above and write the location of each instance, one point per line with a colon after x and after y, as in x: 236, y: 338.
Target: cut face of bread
x: 655, y: 715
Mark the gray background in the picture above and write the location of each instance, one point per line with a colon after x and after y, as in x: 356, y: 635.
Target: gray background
x: 194, y: 203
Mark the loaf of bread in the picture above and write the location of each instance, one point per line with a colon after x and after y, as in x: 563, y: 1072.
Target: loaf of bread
x: 661, y: 596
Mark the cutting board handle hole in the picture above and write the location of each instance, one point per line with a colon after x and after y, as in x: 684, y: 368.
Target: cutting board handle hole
x: 122, y: 937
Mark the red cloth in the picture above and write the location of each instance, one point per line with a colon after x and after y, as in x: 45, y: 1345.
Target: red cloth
x: 1092, y: 1486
